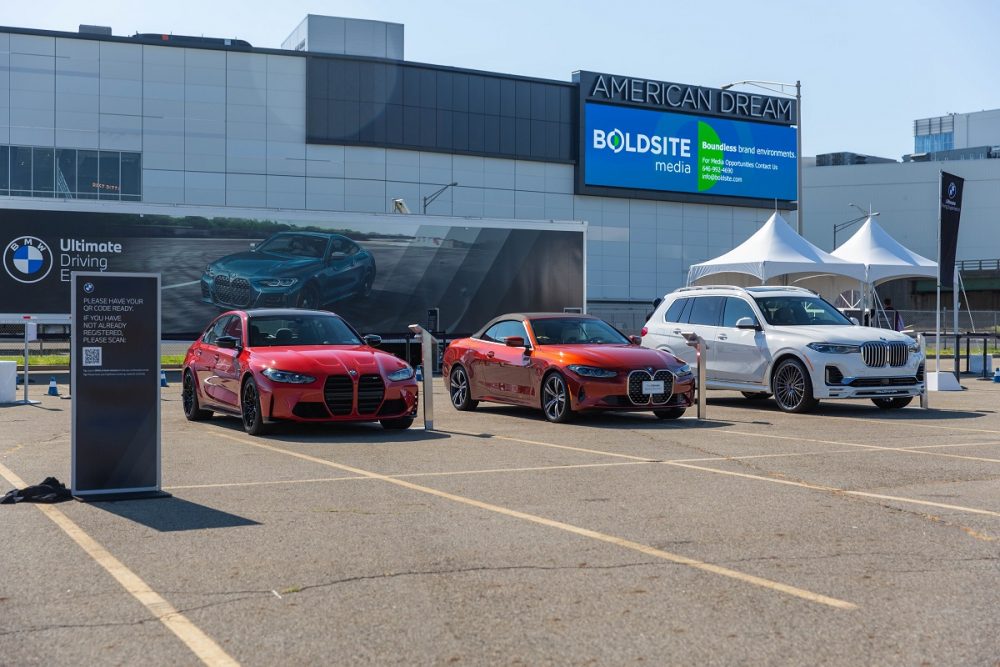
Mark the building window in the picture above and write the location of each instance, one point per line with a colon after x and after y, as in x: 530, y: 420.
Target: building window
x: 69, y: 173
x: 933, y: 143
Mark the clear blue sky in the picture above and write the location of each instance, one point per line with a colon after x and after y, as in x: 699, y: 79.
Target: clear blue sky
x: 868, y: 67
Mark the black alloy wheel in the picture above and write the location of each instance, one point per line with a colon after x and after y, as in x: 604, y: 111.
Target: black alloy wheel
x: 755, y: 395
x: 309, y: 298
x: 189, y: 399
x: 555, y: 399
x: 669, y: 413
x: 892, y: 403
x: 792, y: 387
x: 253, y: 419
x: 458, y: 387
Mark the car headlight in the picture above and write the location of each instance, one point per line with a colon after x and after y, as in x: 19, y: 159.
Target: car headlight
x: 683, y: 370
x: 592, y: 371
x: 834, y: 348
x: 287, y: 377
x: 277, y: 282
x: 914, y: 347
x: 210, y: 271
x: 404, y: 373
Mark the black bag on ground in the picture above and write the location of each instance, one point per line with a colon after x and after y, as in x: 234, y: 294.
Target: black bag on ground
x: 51, y: 490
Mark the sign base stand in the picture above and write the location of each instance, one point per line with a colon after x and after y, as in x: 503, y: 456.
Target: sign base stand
x: 121, y: 495
x: 943, y: 381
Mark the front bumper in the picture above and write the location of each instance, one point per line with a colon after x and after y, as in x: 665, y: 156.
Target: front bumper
x: 338, y: 399
x: 614, y: 394
x: 835, y: 376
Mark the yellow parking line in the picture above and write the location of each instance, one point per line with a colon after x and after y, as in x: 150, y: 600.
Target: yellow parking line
x: 908, y: 423
x: 909, y: 450
x: 263, y: 483
x: 584, y: 532
x: 200, y: 644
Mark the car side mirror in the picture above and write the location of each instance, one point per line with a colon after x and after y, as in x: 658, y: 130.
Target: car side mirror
x: 635, y: 340
x: 747, y: 323
x: 371, y: 340
x: 855, y: 321
x: 253, y: 247
x: 514, y: 341
x: 228, y: 342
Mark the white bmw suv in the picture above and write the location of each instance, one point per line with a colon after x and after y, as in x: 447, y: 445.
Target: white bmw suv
x: 789, y: 343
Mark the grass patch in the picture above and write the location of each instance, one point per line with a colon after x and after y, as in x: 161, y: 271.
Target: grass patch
x: 63, y: 359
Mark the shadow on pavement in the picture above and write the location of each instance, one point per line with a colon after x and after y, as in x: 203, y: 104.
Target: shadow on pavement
x: 330, y: 433
x: 844, y: 409
x: 610, y: 420
x: 172, y: 514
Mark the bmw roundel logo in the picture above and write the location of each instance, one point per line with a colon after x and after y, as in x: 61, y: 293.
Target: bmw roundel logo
x: 27, y: 259
x: 616, y: 140
x: 952, y: 190
x: 88, y: 288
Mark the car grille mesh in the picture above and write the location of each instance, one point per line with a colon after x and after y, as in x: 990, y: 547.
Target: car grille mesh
x: 881, y: 354
x: 338, y: 392
x: 635, y: 380
x: 371, y: 391
x: 235, y: 292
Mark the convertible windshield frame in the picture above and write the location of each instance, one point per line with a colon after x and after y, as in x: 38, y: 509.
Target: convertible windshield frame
x: 576, y: 331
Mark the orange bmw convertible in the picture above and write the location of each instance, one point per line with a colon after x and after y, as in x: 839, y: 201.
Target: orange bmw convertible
x: 564, y: 364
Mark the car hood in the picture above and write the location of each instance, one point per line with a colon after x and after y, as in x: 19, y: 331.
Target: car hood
x: 853, y: 335
x: 615, y: 356
x: 327, y: 359
x: 263, y: 264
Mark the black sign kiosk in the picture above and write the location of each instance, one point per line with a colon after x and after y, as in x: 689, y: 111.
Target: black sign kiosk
x: 116, y: 385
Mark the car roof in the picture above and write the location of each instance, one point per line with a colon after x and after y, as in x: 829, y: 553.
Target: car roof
x: 736, y: 289
x: 530, y: 316
x: 322, y: 235
x: 284, y: 312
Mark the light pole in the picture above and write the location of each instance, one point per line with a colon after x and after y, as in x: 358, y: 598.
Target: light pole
x: 437, y: 193
x: 798, y: 133
x: 840, y: 226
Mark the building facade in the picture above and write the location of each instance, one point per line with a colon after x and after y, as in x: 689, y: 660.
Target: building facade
x: 337, y: 121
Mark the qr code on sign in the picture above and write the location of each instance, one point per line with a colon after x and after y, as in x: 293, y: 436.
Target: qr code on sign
x: 92, y: 356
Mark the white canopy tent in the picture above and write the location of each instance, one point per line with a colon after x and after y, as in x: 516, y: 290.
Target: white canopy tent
x: 884, y: 257
x: 775, y: 250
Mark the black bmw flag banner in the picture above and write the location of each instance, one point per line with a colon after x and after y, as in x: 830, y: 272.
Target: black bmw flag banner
x: 951, y: 209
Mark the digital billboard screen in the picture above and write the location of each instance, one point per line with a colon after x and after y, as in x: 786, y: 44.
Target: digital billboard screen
x: 638, y: 149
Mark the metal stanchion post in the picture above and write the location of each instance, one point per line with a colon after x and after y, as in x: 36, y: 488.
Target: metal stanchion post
x: 924, y: 395
x: 428, y: 344
x: 700, y: 349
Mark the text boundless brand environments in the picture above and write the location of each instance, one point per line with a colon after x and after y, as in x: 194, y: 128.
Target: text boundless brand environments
x: 635, y: 148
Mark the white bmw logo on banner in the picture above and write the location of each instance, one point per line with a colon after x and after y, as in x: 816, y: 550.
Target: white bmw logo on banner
x: 27, y: 259
x: 952, y: 190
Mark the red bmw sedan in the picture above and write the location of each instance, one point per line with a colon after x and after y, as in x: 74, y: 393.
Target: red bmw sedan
x: 295, y: 365
x: 564, y: 364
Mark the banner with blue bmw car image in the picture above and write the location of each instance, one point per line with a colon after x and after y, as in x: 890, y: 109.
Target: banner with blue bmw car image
x: 380, y: 272
x: 639, y: 149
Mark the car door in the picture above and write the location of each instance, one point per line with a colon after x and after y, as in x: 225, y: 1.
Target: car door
x: 513, y: 365
x: 227, y: 365
x: 207, y: 358
x: 486, y: 373
x: 739, y: 355
x: 338, y: 274
x: 666, y: 334
x: 704, y: 320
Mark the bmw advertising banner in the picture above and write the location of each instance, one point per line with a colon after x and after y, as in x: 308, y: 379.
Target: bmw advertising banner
x: 951, y: 211
x: 381, y: 272
x: 627, y: 147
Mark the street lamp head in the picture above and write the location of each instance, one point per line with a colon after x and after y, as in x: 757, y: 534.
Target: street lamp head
x: 727, y: 86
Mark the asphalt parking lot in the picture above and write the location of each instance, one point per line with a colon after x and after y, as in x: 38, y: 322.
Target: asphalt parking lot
x: 850, y: 536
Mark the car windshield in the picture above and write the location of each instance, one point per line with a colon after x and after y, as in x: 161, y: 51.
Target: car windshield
x: 272, y: 330
x: 793, y: 311
x: 576, y: 330
x: 296, y: 245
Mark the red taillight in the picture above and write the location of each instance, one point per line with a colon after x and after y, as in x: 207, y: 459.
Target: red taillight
x: 645, y: 330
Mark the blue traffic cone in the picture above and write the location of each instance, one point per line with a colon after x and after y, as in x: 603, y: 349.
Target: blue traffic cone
x: 420, y: 373
x: 53, y: 388
x: 163, y: 379
x: 996, y: 375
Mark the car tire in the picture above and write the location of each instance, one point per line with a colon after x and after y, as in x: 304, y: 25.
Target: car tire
x: 791, y: 387
x: 892, y: 403
x: 555, y: 399
x: 309, y: 298
x: 400, y: 424
x: 460, y: 390
x: 189, y: 399
x: 367, y: 282
x: 755, y: 395
x: 253, y: 418
x: 669, y: 413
